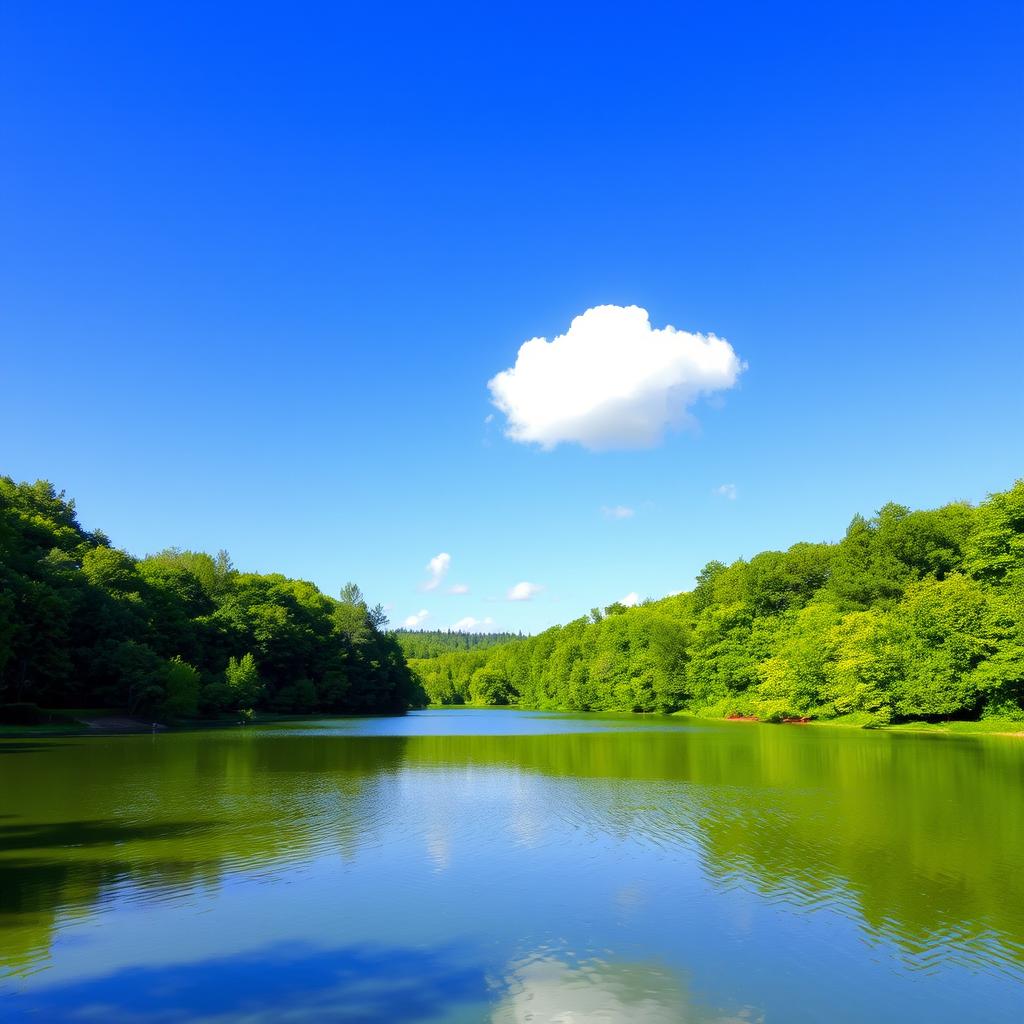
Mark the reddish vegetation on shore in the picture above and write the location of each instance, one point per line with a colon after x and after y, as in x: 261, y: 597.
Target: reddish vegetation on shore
x: 754, y: 718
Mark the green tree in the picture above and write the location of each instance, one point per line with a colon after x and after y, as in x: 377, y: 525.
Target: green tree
x: 243, y: 682
x: 489, y: 686
x: 995, y: 546
x: 181, y: 690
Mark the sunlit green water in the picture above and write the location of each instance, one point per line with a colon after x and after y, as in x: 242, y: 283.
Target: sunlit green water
x: 508, y: 866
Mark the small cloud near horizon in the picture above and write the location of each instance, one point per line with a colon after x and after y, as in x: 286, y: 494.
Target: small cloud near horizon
x: 438, y: 567
x: 417, y: 620
x: 726, y: 491
x: 631, y: 600
x: 469, y: 624
x: 617, y: 511
x: 524, y: 591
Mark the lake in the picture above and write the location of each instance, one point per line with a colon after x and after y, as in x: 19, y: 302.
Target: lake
x: 507, y: 866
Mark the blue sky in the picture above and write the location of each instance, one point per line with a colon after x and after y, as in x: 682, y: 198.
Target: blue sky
x: 260, y: 263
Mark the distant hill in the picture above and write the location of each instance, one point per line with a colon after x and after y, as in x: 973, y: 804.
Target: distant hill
x: 431, y: 643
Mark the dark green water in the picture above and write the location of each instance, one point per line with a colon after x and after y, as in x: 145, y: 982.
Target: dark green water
x: 509, y: 866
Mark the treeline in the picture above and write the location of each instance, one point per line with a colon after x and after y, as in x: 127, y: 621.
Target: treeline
x: 429, y: 643
x: 911, y: 615
x: 176, y: 634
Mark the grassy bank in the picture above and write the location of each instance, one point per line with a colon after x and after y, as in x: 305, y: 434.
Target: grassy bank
x: 857, y: 720
x: 991, y: 726
x: 984, y: 726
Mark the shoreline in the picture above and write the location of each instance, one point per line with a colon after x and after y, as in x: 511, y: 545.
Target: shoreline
x: 91, y: 723
x: 951, y: 727
x: 126, y: 725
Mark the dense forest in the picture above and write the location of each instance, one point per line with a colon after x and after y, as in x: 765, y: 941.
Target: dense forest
x: 429, y: 643
x: 911, y: 615
x: 176, y: 634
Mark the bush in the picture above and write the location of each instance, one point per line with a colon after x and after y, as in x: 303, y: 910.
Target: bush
x: 489, y: 686
x: 298, y: 698
x: 243, y: 680
x: 215, y: 698
x: 182, y: 682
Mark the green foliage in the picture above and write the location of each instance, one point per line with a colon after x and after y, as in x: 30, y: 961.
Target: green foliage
x: 181, y: 690
x: 297, y: 698
x: 430, y: 643
x: 128, y: 674
x: 243, y: 682
x: 995, y: 547
x: 489, y: 686
x: 912, y: 615
x: 1000, y: 676
x: 177, y: 633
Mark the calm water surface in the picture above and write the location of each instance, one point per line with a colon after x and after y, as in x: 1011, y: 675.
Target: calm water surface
x: 509, y: 866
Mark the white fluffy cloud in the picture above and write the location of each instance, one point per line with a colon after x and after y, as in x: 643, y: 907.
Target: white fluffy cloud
x: 611, y: 381
x: 438, y: 567
x: 617, y: 511
x: 459, y: 588
x: 524, y: 591
x: 471, y: 625
x: 631, y: 600
x: 726, y: 491
x: 417, y: 620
